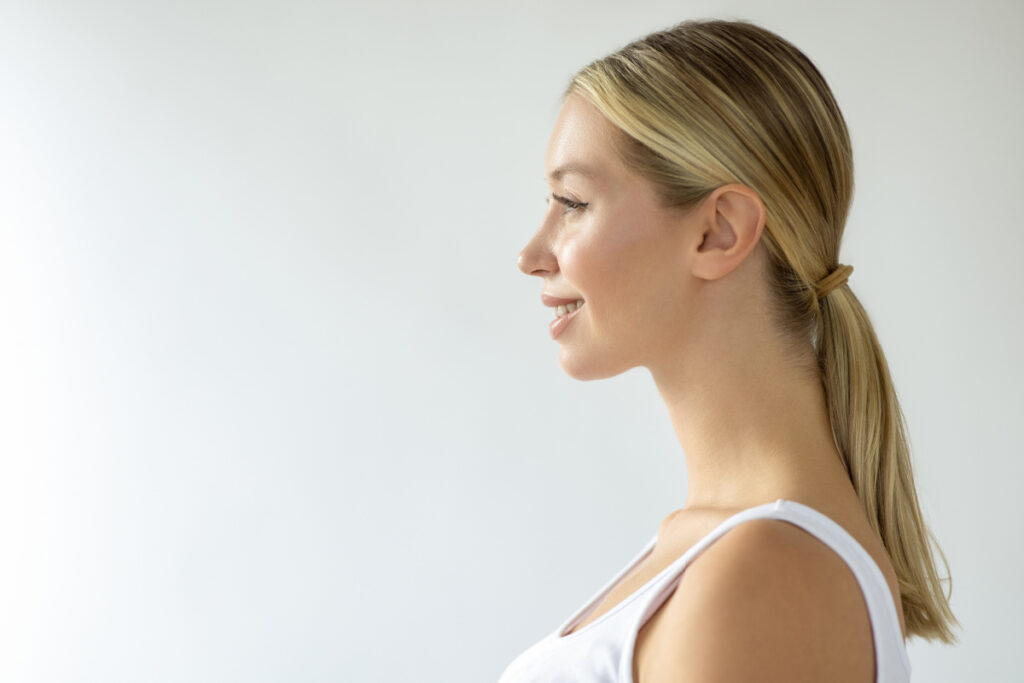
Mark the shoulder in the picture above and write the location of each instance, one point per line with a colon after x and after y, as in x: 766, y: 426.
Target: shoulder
x: 767, y: 601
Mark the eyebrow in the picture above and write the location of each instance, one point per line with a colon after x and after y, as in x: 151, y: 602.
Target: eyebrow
x: 573, y: 167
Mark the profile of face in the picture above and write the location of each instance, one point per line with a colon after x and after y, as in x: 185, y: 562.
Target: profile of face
x: 606, y: 239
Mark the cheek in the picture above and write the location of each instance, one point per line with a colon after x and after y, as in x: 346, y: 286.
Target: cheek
x: 612, y: 266
x: 590, y: 265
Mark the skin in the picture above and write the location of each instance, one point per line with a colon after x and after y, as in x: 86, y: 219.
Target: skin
x: 683, y: 294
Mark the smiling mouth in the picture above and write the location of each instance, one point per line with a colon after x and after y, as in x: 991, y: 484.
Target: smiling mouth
x: 565, y: 309
x: 563, y: 317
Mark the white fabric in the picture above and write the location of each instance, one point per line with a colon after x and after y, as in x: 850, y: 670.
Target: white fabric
x: 602, y: 651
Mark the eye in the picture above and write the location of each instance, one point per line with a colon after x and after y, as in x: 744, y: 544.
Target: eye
x: 570, y: 205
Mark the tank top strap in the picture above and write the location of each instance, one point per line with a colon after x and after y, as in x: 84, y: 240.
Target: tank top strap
x: 892, y: 664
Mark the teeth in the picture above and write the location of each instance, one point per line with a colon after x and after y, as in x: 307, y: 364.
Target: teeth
x: 567, y: 308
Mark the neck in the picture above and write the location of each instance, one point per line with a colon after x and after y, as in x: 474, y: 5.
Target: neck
x: 753, y: 428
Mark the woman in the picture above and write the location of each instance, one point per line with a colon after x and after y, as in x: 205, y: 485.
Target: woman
x: 702, y: 177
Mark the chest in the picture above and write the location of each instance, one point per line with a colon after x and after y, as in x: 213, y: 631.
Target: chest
x: 674, y: 540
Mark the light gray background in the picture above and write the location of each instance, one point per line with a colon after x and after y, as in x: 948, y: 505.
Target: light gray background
x: 276, y: 402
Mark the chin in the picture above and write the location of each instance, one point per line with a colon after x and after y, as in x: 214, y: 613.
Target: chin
x: 579, y: 366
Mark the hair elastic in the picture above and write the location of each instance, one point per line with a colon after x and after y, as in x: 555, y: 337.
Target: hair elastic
x: 837, y: 278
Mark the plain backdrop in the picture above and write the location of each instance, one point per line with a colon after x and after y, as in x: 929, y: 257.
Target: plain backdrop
x: 276, y: 403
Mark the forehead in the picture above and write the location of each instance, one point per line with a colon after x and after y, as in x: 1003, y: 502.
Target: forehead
x: 581, y: 143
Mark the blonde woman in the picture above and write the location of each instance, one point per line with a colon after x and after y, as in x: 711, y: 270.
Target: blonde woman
x: 700, y: 179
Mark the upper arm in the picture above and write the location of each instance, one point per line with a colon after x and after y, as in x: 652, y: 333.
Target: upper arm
x: 767, y: 602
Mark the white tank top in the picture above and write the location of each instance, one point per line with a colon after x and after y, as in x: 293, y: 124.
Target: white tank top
x: 602, y: 651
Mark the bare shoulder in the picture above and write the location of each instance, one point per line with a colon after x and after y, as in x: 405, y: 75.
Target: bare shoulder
x: 767, y: 601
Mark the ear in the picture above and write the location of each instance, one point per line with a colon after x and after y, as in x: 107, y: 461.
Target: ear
x: 731, y: 220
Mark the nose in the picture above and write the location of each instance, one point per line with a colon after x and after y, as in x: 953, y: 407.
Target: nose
x: 536, y: 258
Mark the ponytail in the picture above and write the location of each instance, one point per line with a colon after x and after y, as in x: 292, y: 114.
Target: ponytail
x: 870, y: 433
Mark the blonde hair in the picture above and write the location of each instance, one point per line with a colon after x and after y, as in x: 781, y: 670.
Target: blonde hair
x: 706, y: 103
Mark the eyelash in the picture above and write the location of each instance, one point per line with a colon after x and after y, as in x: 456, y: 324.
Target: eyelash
x: 570, y: 205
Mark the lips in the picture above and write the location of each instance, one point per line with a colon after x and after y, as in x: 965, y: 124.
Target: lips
x: 558, y: 325
x: 553, y: 301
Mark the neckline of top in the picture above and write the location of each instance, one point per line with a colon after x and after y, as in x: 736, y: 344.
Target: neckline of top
x: 591, y: 604
x: 581, y: 613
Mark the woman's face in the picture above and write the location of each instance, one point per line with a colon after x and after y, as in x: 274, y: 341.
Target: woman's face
x: 605, y: 239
